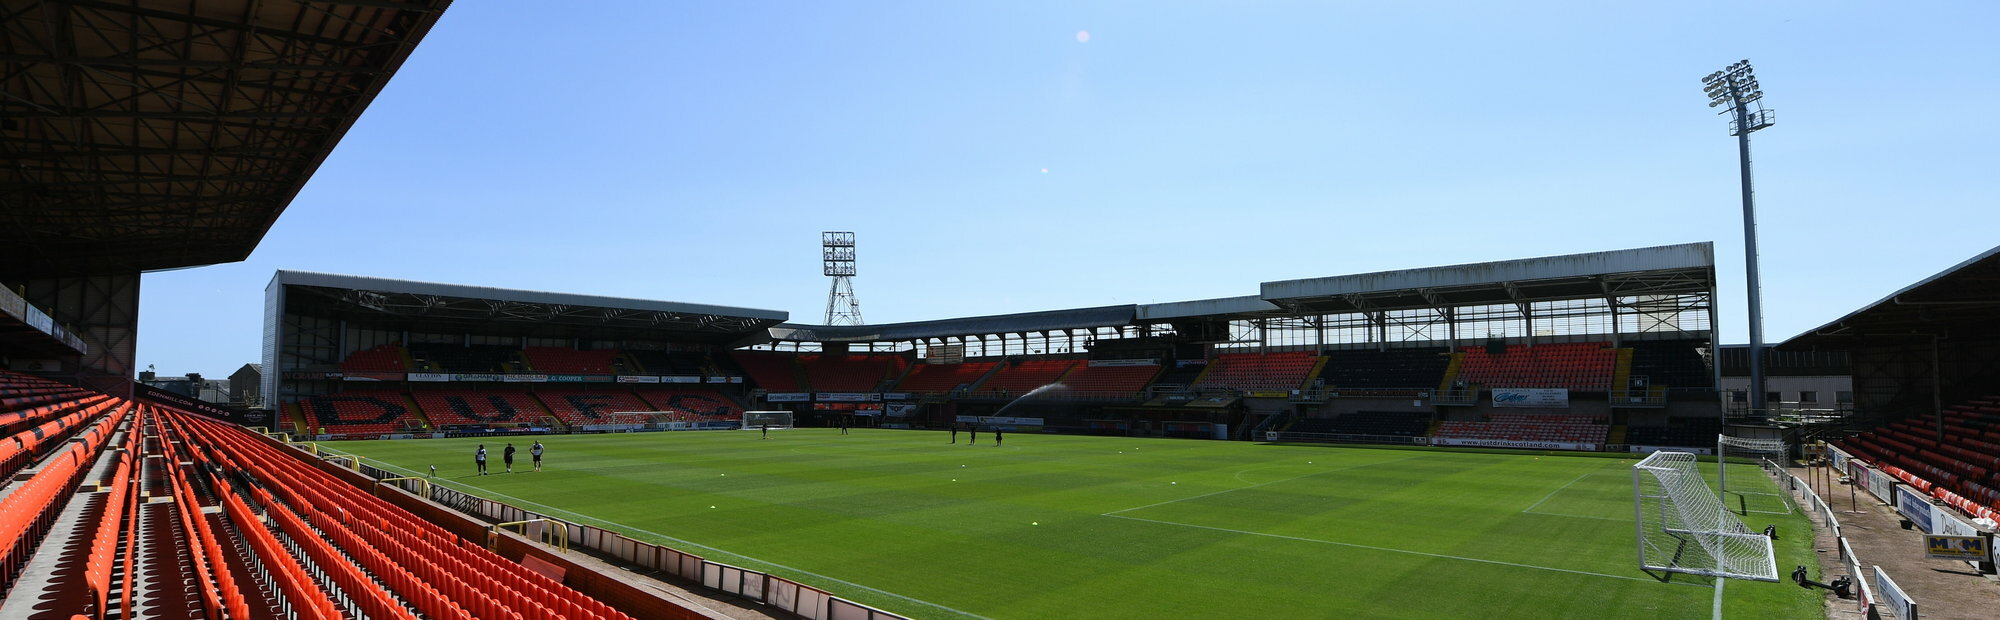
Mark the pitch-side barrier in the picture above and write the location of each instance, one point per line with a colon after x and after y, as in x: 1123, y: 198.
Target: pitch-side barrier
x: 1865, y: 601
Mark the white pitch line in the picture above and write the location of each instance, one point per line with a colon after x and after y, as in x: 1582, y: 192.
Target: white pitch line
x: 1242, y: 488
x: 1558, y: 514
x: 1384, y: 549
x: 1545, y: 498
x: 748, y: 559
x: 1718, y: 598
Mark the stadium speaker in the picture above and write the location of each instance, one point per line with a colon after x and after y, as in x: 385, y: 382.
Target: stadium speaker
x: 1496, y: 347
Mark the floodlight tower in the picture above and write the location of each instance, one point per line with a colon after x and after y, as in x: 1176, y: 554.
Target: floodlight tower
x: 1736, y: 86
x: 837, y: 252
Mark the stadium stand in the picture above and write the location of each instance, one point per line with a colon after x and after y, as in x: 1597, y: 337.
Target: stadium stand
x: 849, y: 373
x: 1697, y: 432
x: 1966, y: 465
x: 1378, y: 423
x: 382, y: 358
x: 1528, y: 427
x: 565, y: 360
x: 683, y: 363
x: 1393, y: 368
x: 775, y: 372
x: 1583, y: 367
x: 1259, y: 371
x: 589, y: 405
x: 1178, y: 375
x: 360, y: 412
x: 941, y: 378
x: 446, y: 407
x: 383, y: 561
x: 1676, y: 364
x: 1088, y: 381
x: 692, y: 404
x: 1019, y: 377
x: 456, y: 358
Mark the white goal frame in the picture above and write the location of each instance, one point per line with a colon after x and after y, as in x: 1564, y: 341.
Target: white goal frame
x: 758, y: 419
x: 1683, y: 527
x: 1766, y: 454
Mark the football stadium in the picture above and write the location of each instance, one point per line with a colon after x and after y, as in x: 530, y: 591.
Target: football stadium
x: 1526, y: 436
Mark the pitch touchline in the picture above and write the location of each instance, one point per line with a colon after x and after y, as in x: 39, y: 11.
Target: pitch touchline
x: 1115, y: 512
x: 1545, y: 498
x: 584, y: 517
x: 1375, y: 548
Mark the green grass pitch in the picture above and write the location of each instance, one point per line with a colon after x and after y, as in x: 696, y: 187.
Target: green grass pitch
x: 1061, y: 526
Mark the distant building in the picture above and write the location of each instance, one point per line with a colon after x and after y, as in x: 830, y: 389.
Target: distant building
x: 191, y: 386
x: 245, y: 386
x: 1792, y: 379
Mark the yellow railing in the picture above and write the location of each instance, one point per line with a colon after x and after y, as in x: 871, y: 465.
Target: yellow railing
x: 558, y: 531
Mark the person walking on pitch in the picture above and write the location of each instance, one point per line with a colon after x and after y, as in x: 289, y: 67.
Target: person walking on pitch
x: 536, y: 451
x: 954, y: 433
x: 507, y: 457
x: 997, y: 436
x: 479, y: 458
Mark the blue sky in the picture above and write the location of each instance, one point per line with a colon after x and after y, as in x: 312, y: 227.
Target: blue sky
x: 693, y: 152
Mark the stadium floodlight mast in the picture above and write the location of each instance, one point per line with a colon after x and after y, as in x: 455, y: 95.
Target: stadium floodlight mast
x: 837, y: 254
x: 1736, y: 86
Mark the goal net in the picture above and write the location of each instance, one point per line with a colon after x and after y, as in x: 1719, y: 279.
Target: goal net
x: 1684, y: 529
x: 761, y: 419
x: 1748, y: 494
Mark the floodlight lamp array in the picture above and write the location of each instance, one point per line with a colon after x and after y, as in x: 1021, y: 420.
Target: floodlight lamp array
x: 1736, y: 84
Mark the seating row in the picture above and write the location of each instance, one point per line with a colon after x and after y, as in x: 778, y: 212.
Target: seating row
x: 1259, y: 371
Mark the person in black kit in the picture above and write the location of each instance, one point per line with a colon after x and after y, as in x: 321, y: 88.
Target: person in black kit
x: 972, y: 438
x: 507, y: 457
x: 479, y: 458
x: 767, y: 432
x: 843, y: 425
x: 954, y: 433
x: 997, y: 436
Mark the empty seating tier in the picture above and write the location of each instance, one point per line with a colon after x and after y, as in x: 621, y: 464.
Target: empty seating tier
x: 360, y: 413
x: 848, y: 373
x: 1677, y: 364
x: 479, y: 407
x: 460, y: 358
x: 563, y: 360
x: 1684, y: 432
x: 1395, y: 368
x: 1583, y: 367
x: 1259, y: 371
x: 382, y: 358
x: 1108, y: 381
x: 1017, y: 378
x: 940, y: 378
x: 1374, y: 423
x: 775, y: 372
x: 693, y: 404
x: 589, y: 405
x: 1523, y: 427
x: 1964, y: 467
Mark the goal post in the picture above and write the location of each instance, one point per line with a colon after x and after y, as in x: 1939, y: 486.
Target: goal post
x: 1747, y: 495
x: 1683, y: 527
x: 772, y: 419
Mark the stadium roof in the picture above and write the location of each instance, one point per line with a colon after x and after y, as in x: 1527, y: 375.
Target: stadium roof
x: 1052, y: 320
x: 1963, y: 299
x: 1661, y: 270
x: 146, y: 136
x: 429, y: 305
